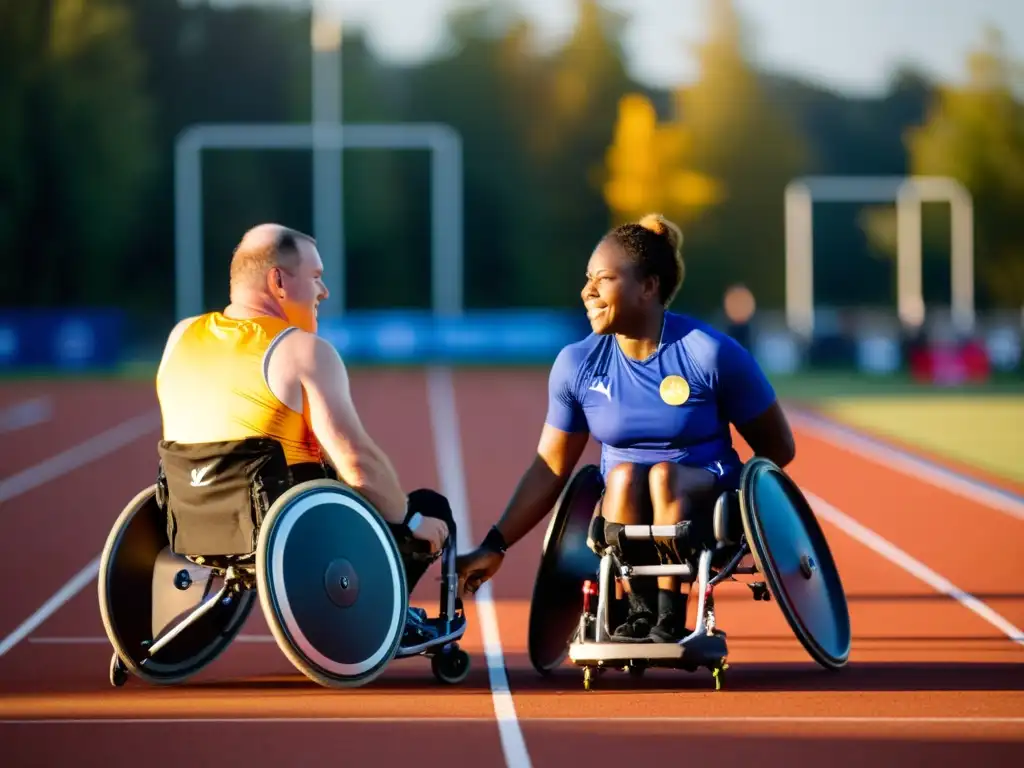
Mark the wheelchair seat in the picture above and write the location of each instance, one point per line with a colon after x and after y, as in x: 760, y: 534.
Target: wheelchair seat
x: 726, y: 520
x: 216, y: 495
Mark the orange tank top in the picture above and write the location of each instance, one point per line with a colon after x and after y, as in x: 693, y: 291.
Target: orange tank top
x: 213, y: 387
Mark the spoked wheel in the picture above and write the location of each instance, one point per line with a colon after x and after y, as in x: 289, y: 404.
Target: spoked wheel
x: 452, y: 666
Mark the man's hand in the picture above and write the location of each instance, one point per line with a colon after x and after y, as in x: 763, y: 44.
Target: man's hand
x: 432, y: 530
x: 476, y: 567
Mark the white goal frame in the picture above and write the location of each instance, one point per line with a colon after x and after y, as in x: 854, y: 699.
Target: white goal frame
x: 443, y: 142
x: 908, y: 192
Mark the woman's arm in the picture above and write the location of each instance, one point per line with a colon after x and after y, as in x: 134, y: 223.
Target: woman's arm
x: 561, y: 444
x: 541, y: 484
x: 749, y: 401
x: 535, y: 495
x: 769, y: 435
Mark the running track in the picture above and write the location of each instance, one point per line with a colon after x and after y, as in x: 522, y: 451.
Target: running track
x: 933, y: 574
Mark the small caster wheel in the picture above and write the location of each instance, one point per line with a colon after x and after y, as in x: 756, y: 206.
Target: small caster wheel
x: 450, y: 666
x: 588, y: 678
x: 118, y: 671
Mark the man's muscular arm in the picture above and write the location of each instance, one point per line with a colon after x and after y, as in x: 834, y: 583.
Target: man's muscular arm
x: 359, y: 461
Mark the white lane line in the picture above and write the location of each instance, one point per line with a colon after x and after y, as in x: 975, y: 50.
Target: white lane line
x: 681, y: 720
x: 448, y: 448
x: 73, y: 458
x: 47, y: 609
x: 103, y: 640
x: 921, y: 469
x: 26, y: 414
x: 914, y: 567
x: 94, y: 448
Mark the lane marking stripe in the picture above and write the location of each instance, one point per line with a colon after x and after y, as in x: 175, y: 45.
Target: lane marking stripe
x: 875, y: 450
x: 51, y: 469
x: 914, y: 567
x: 680, y: 720
x: 75, y: 585
x: 448, y: 451
x: 78, y: 456
x: 28, y: 413
x: 102, y: 640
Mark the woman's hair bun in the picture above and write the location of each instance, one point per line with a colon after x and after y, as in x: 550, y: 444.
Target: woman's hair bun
x: 659, y: 225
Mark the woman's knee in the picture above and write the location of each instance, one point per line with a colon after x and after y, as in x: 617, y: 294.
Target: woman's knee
x: 623, y: 493
x: 674, y: 488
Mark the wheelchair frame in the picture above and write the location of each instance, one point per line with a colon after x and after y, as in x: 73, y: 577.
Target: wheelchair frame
x: 706, y: 564
x: 241, y: 576
x: 597, y: 654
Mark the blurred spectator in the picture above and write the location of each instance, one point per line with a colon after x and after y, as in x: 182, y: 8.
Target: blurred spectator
x: 739, y: 310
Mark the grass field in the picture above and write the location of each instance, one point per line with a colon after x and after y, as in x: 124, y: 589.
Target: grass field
x: 986, y: 431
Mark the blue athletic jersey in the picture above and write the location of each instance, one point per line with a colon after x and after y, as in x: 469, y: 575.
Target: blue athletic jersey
x: 676, y: 405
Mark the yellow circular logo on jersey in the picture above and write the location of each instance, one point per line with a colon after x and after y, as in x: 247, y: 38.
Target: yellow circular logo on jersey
x: 674, y: 390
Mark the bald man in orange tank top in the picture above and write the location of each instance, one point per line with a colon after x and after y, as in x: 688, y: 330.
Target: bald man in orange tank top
x: 259, y: 369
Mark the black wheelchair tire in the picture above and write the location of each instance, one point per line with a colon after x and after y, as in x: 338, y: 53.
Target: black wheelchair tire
x: 121, y: 651
x: 754, y: 533
x: 271, y: 609
x: 546, y: 627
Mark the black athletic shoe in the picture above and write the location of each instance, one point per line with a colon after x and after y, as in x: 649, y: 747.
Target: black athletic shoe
x: 669, y: 629
x: 635, y: 629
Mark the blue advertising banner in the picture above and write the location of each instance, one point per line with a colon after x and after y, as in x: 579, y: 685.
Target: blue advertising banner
x: 48, y: 339
x: 520, y: 336
x: 88, y: 340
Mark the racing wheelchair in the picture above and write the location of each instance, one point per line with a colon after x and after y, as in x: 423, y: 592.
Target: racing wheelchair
x: 765, y: 529
x: 225, y: 525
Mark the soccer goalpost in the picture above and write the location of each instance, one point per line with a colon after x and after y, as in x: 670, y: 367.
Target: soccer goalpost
x: 442, y: 141
x: 908, y: 192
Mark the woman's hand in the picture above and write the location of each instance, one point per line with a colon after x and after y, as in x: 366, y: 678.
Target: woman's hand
x: 477, y: 567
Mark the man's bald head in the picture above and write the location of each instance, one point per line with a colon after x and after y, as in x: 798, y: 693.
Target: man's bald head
x: 261, y: 249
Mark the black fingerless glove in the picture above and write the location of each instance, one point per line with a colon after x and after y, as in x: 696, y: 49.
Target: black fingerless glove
x: 495, y: 541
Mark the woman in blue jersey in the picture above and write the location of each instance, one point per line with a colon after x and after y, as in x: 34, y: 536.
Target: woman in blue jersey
x: 658, y: 390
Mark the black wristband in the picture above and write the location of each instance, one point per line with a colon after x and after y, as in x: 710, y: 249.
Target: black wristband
x: 494, y: 540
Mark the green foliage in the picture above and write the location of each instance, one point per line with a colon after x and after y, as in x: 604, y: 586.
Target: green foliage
x: 747, y: 145
x: 975, y: 134
x: 77, y: 148
x: 718, y: 167
x: 559, y: 144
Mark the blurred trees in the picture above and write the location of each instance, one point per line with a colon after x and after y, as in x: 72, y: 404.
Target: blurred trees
x: 76, y: 150
x: 746, y: 143
x: 718, y: 166
x: 975, y: 134
x: 558, y: 146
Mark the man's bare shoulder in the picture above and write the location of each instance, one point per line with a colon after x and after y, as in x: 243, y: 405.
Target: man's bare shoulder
x: 179, y: 328
x: 176, y: 333
x: 307, y: 351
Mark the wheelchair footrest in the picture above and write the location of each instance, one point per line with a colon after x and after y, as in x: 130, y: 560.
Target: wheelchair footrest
x: 701, y: 650
x: 594, y: 653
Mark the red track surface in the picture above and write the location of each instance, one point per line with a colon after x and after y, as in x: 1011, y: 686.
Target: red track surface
x: 927, y: 675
